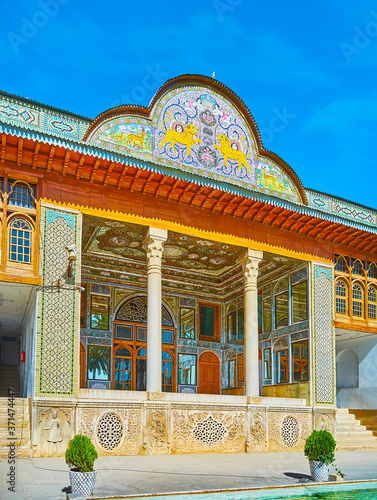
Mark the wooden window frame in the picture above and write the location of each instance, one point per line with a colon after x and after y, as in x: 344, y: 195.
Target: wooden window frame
x: 216, y: 337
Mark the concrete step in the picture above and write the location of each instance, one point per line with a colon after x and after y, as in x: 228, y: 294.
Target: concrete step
x: 349, y: 428
x: 345, y: 416
x: 17, y: 440
x: 356, y: 434
x: 20, y: 452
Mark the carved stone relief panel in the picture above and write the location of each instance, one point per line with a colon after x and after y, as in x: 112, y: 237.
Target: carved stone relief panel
x: 324, y: 421
x: 54, y: 431
x: 257, y: 432
x: 114, y: 430
x: 288, y: 431
x: 156, y: 431
x: 201, y: 430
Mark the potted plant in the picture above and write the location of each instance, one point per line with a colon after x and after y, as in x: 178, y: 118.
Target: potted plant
x: 319, y: 448
x: 80, y: 456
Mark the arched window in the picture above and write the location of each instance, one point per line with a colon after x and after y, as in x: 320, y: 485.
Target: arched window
x: 21, y: 194
x: 340, y: 264
x: 372, y: 302
x: 372, y: 271
x: 167, y: 372
x: 357, y: 267
x: 357, y: 300
x: 20, y: 236
x: 341, y: 297
x: 123, y: 374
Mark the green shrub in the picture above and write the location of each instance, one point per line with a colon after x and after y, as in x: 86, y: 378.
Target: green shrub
x: 320, y: 447
x: 81, y: 453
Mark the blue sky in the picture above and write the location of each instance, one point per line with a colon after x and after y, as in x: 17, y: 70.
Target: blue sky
x: 306, y: 70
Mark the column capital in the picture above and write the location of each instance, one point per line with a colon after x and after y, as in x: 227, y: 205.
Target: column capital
x: 249, y: 260
x: 153, y: 243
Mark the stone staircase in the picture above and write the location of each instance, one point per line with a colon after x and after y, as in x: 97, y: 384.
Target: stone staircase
x: 21, y: 434
x: 350, y: 435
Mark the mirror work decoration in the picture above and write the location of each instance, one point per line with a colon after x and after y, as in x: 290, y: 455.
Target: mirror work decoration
x: 197, y: 130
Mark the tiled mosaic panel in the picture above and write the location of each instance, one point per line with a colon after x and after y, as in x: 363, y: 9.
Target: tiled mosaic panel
x: 58, y: 328
x: 34, y: 117
x: 346, y: 210
x: 323, y: 335
x: 195, y: 129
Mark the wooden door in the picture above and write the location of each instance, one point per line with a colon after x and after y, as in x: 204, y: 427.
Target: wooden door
x: 209, y: 374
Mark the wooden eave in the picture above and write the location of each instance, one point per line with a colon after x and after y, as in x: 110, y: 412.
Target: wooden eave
x: 41, y: 159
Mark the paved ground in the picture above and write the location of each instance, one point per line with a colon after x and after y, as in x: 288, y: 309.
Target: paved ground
x: 45, y: 478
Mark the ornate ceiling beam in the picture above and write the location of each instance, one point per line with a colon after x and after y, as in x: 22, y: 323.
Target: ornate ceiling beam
x: 35, y: 155
x: 65, y: 164
x: 108, y: 175
x: 19, y: 151
x: 50, y: 158
x: 160, y: 185
x: 147, y: 182
x: 133, y: 182
x: 80, y: 165
x: 184, y: 191
x: 229, y: 203
x: 95, y: 168
x: 218, y: 202
x: 173, y: 188
x: 121, y: 178
x: 3, y: 146
x: 196, y: 195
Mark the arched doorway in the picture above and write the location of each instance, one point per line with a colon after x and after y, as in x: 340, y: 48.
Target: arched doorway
x: 130, y: 347
x: 209, y: 373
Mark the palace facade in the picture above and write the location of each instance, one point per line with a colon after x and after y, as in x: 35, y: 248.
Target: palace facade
x: 168, y: 285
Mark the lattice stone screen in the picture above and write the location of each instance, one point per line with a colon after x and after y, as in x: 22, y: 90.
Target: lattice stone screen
x: 58, y: 307
x: 110, y: 431
x: 323, y: 339
x: 290, y: 431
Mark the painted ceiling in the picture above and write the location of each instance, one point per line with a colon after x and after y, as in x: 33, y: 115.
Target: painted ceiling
x: 113, y: 253
x: 196, y: 129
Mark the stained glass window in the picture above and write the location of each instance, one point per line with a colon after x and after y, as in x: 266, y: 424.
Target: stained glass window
x: 281, y: 309
x: 340, y: 264
x: 187, y: 326
x: 99, y: 317
x: 300, y: 361
x: 372, y: 273
x: 357, y: 268
x: 21, y: 195
x: 267, y: 314
x: 282, y: 367
x: 299, y: 302
x: 167, y: 372
x: 341, y: 297
x: 372, y: 302
x: 123, y: 373
x: 98, y: 362
x: 187, y: 369
x: 357, y: 300
x: 20, y: 240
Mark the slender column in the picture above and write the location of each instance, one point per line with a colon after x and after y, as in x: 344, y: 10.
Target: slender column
x: 250, y: 261
x: 153, y: 245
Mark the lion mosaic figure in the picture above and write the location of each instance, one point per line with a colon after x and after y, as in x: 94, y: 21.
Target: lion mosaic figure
x: 186, y: 137
x: 229, y: 153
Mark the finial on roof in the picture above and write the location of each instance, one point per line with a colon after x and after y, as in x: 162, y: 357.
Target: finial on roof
x: 213, y: 75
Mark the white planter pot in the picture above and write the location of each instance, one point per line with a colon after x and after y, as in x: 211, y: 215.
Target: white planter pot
x: 82, y: 482
x: 319, y: 471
